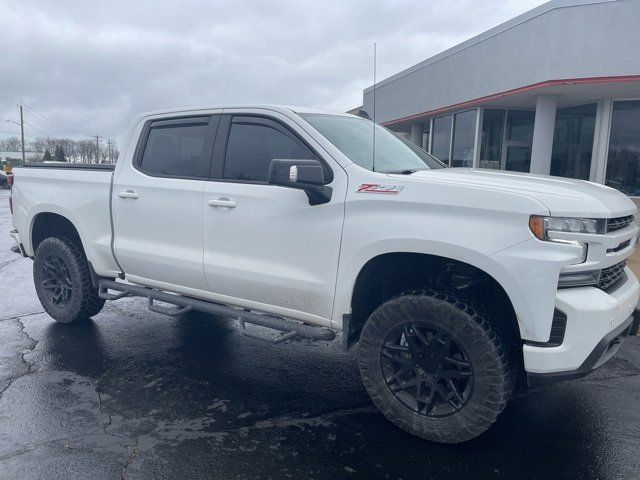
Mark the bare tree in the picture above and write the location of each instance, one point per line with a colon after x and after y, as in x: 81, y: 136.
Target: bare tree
x: 11, y: 144
x: 76, y: 151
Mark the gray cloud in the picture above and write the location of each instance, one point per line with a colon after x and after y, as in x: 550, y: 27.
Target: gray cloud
x: 92, y: 66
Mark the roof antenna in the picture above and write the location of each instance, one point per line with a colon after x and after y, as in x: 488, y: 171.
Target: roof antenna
x: 374, y: 109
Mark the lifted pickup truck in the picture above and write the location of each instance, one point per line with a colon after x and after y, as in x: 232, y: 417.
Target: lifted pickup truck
x: 459, y: 285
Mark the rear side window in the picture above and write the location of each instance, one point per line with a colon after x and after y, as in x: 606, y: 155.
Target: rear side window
x: 254, y: 142
x: 180, y: 148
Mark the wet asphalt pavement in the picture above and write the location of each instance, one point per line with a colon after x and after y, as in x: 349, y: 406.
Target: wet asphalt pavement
x: 137, y: 395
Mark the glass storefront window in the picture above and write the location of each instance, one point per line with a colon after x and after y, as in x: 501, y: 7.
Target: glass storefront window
x: 518, y: 140
x: 623, y: 164
x: 573, y: 141
x: 518, y: 158
x: 491, y: 141
x: 425, y: 136
x: 441, y: 138
x: 464, y: 135
x: 520, y: 125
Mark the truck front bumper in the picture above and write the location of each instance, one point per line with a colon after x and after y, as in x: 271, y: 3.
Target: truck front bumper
x: 597, y: 323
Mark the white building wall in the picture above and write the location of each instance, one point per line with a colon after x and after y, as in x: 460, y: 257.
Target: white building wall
x: 561, y: 39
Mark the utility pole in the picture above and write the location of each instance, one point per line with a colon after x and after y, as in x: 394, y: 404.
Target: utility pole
x: 21, y: 123
x: 97, y: 149
x: 109, y: 150
x: 22, y: 131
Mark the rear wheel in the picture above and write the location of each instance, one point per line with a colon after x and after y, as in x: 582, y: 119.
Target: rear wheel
x: 63, y: 281
x: 434, y: 365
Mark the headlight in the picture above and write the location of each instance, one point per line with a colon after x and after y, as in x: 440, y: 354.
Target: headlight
x: 541, y: 226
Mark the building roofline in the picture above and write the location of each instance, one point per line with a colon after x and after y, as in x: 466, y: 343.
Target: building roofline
x: 515, y: 91
x: 497, y: 30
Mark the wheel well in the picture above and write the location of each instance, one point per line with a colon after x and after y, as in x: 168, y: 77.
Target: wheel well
x: 47, y: 225
x: 389, y: 274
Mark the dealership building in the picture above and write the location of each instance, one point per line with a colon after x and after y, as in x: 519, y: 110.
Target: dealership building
x: 553, y: 91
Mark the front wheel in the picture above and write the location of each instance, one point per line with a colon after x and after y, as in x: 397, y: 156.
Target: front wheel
x: 63, y: 281
x: 434, y: 366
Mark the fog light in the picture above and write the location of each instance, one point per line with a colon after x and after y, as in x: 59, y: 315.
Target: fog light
x: 579, y: 279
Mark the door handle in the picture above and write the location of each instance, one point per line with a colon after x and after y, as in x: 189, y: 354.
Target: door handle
x: 129, y: 194
x: 222, y: 202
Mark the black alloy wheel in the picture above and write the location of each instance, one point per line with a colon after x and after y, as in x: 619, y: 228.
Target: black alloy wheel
x: 426, y: 369
x: 434, y: 364
x: 56, y: 281
x: 63, y: 281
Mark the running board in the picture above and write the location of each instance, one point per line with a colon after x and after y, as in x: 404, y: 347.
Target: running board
x: 290, y: 328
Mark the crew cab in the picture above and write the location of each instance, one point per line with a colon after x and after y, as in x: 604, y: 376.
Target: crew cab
x: 458, y: 285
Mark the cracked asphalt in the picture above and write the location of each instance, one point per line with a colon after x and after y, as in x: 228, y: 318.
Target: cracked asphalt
x: 137, y: 395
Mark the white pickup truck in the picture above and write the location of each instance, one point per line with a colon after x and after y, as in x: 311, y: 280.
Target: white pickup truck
x: 459, y: 285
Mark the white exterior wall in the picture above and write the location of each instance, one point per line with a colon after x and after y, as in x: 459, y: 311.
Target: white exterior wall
x: 561, y: 39
x: 543, y: 129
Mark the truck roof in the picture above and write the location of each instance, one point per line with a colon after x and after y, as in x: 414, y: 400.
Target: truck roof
x: 277, y: 108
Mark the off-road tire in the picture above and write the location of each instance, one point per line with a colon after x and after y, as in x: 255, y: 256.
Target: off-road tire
x: 473, y: 330
x: 83, y: 300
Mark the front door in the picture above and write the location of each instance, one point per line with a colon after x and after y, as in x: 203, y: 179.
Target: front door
x: 157, y: 203
x: 265, y: 246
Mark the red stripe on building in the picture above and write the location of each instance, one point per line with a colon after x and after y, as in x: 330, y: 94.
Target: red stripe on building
x: 515, y: 91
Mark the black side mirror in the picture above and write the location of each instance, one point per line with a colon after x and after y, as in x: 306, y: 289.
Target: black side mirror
x: 307, y: 175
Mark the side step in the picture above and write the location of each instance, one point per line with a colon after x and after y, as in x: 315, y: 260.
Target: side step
x: 291, y: 329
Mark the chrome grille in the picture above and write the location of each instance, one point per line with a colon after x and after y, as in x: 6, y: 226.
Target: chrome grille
x: 611, y: 275
x: 614, y: 224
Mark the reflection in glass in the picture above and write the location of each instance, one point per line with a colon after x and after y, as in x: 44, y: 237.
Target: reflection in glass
x: 491, y: 142
x: 623, y: 164
x: 520, y: 125
x: 518, y: 158
x: 573, y: 141
x: 425, y: 137
x: 519, y: 139
x: 441, y: 138
x: 464, y: 135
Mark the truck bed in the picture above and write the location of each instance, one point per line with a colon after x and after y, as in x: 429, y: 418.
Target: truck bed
x: 78, y: 192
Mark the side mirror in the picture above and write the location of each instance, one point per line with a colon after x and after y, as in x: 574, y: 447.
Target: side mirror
x: 307, y: 175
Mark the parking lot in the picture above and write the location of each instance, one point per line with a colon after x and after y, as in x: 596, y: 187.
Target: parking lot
x: 133, y: 394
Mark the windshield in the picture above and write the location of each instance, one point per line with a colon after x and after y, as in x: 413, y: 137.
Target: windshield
x: 353, y: 136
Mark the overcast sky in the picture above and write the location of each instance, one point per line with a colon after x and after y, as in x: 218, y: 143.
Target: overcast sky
x: 86, y: 67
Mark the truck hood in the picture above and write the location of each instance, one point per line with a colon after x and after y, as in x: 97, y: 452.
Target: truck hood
x: 561, y: 196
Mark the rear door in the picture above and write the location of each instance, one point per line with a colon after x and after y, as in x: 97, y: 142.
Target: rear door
x: 158, y: 201
x: 265, y: 246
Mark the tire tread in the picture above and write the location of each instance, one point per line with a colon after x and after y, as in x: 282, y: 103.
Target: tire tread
x: 487, y: 337
x: 90, y: 303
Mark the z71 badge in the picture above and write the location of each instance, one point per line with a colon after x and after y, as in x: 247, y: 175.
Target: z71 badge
x: 377, y: 188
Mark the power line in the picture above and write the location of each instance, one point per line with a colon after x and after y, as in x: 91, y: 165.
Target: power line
x: 17, y: 134
x: 66, y: 127
x: 33, y: 126
x: 47, y: 127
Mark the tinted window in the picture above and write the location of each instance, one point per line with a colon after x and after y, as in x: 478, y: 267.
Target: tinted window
x: 573, y: 141
x: 491, y: 143
x: 441, y: 138
x: 464, y: 139
x: 178, y: 150
x: 623, y: 167
x: 253, y: 143
x: 520, y: 125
